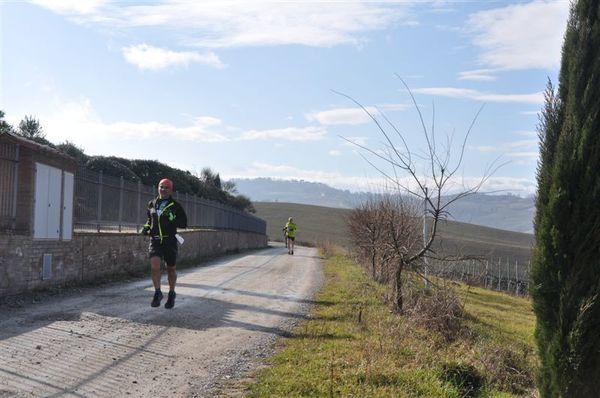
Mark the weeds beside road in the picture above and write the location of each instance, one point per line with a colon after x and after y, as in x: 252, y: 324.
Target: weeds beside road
x: 353, y: 346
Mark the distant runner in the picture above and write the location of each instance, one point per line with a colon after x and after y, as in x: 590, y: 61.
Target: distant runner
x: 164, y: 217
x: 290, y: 229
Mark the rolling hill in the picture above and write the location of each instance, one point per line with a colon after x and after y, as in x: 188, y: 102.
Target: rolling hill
x: 318, y: 224
x: 508, y: 212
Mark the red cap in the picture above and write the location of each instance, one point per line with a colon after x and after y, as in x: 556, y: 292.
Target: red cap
x: 167, y: 182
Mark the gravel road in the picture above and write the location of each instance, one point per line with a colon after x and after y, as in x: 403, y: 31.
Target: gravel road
x: 108, y: 342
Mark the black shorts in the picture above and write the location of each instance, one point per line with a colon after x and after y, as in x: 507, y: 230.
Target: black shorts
x: 291, y: 238
x: 167, y: 250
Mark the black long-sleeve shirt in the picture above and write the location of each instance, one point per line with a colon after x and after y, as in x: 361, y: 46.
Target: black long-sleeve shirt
x: 164, y: 218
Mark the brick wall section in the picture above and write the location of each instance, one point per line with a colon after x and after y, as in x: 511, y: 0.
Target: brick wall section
x: 90, y: 256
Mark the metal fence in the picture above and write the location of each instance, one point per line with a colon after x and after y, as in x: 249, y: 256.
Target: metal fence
x: 501, y: 274
x: 105, y: 203
x: 9, y: 169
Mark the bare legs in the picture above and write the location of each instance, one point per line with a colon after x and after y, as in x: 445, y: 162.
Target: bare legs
x: 155, y: 270
x: 172, y: 274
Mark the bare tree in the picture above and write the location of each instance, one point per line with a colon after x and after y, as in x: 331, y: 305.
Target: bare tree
x: 368, y: 228
x: 396, y: 160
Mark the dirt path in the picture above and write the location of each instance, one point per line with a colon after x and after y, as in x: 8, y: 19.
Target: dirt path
x: 109, y: 342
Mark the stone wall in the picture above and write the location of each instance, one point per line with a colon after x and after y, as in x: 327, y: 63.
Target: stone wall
x: 90, y: 256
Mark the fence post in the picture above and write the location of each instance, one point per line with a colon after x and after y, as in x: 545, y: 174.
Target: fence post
x: 187, y: 205
x: 196, y: 221
x: 517, y: 276
x: 138, y: 220
x: 121, y: 186
x: 485, y: 277
x: 99, y: 213
x: 526, y: 278
x: 507, y: 275
x: 499, y: 273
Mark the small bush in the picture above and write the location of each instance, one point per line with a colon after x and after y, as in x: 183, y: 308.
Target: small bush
x: 509, y: 369
x: 464, y: 377
x: 327, y: 249
x: 437, y: 309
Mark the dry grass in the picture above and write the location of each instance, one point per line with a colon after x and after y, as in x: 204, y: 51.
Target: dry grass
x: 353, y: 346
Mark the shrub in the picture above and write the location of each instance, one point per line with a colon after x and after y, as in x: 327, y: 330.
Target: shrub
x: 464, y: 377
x: 437, y: 308
x: 508, y: 368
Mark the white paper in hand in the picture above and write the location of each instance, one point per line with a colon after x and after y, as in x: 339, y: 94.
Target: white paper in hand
x: 179, y: 239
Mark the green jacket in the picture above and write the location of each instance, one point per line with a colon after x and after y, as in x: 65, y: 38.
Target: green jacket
x: 291, y: 228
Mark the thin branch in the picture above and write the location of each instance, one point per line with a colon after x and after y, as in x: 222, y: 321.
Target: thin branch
x: 462, y: 152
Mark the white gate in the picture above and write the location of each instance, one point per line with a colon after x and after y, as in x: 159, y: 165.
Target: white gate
x: 48, y: 184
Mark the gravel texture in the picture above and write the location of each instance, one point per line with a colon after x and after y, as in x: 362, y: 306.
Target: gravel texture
x: 107, y: 341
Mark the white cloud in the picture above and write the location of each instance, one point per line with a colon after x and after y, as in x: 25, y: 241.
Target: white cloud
x: 524, y: 150
x: 290, y: 134
x: 478, y: 75
x: 520, y: 36
x: 530, y: 112
x: 247, y: 23
x: 77, y: 122
x: 524, y: 155
x: 335, y: 152
x: 393, y: 107
x: 521, y: 186
x: 353, y: 115
x: 522, y: 144
x: 72, y: 7
x: 153, y: 58
x: 198, y: 131
x: 454, y: 92
x: 350, y: 116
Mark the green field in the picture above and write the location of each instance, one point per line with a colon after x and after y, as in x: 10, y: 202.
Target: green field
x: 317, y: 225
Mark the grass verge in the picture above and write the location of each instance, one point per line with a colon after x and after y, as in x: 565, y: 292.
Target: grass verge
x: 352, y: 346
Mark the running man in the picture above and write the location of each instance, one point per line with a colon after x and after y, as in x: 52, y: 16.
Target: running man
x: 164, y: 217
x: 290, y: 229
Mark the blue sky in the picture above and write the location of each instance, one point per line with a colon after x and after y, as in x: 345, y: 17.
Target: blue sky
x: 249, y: 88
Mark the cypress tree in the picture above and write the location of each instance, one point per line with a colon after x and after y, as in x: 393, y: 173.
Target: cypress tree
x: 566, y: 263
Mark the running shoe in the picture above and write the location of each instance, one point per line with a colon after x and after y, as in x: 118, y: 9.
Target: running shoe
x: 170, y: 300
x: 158, y: 296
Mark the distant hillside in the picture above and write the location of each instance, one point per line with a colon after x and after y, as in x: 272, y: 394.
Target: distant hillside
x: 317, y: 224
x: 506, y: 212
x: 297, y: 191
